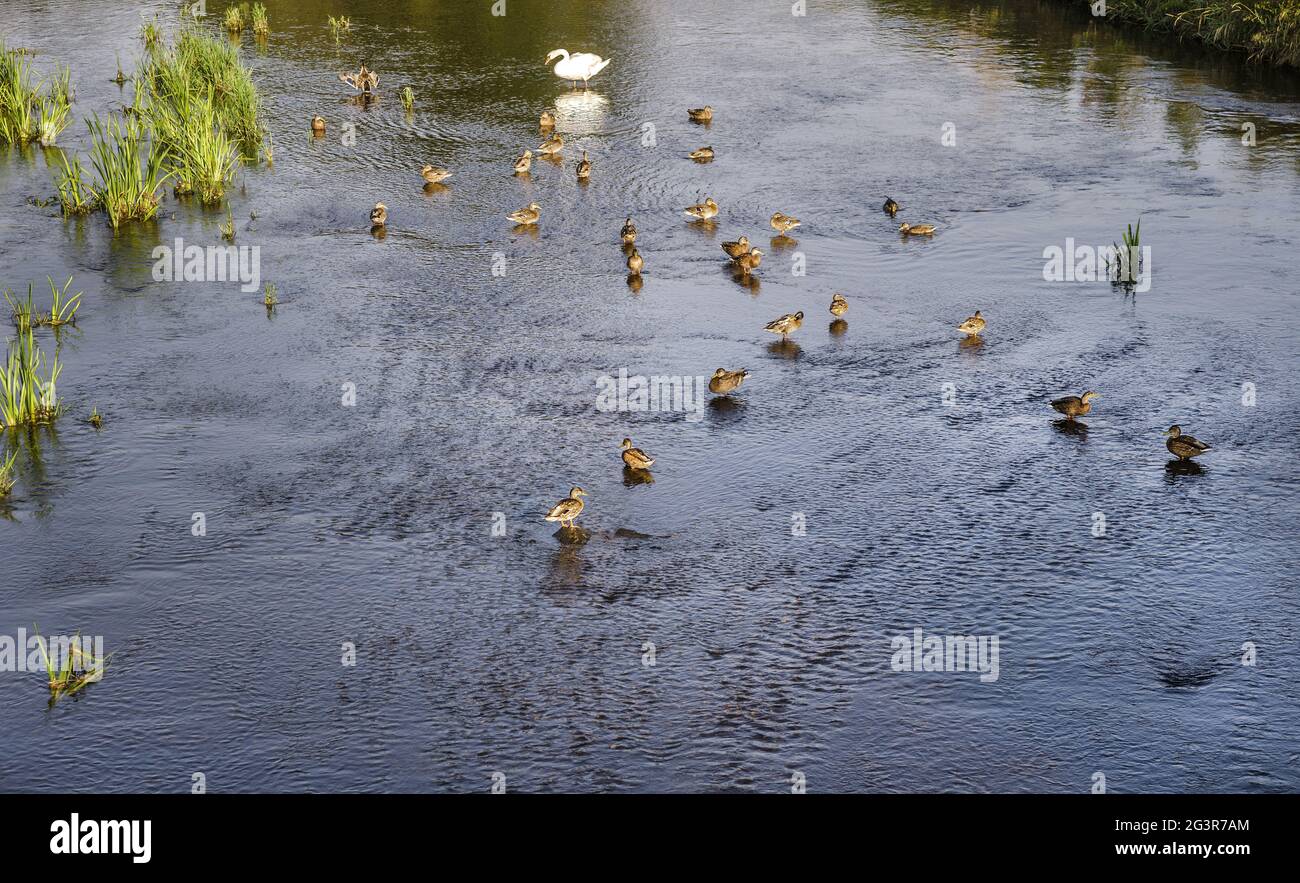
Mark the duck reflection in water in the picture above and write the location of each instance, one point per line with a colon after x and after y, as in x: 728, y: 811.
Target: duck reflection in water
x: 633, y: 477
x: 838, y: 327
x: 1176, y: 468
x: 1066, y: 426
x: 635, y: 282
x: 785, y: 349
x: 783, y: 242
x: 971, y: 343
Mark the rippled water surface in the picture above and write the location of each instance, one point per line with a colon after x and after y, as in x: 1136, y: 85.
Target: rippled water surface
x: 475, y: 394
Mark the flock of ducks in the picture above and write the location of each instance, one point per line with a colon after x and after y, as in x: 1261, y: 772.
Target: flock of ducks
x: 743, y: 257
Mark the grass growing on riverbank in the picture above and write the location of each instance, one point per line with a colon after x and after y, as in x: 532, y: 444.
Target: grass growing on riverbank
x: 1266, y: 30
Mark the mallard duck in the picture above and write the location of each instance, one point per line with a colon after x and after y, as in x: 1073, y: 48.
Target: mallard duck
x: 724, y: 381
x: 1075, y: 406
x: 363, y: 80
x: 524, y: 163
x: 379, y: 215
x: 704, y: 211
x: 635, y: 262
x: 737, y: 248
x: 749, y: 262
x: 973, y: 324
x: 786, y: 325
x: 318, y: 124
x: 916, y: 229
x: 704, y: 153
x: 529, y: 214
x: 584, y: 167
x: 548, y: 120
x: 635, y: 457
x: 839, y: 306
x: 551, y: 145
x: 567, y: 509
x: 700, y: 114
x: 891, y: 207
x: 783, y: 224
x: 1184, y: 447
x: 582, y: 66
x: 628, y: 233
x: 434, y: 175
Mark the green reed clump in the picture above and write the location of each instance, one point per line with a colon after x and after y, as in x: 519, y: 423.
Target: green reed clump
x: 75, y: 195
x: 261, y: 27
x: 201, y: 155
x: 269, y: 297
x: 236, y: 18
x: 28, y: 395
x: 1266, y: 30
x: 408, y: 98
x: 228, y: 226
x: 7, y: 479
x: 151, y: 33
x: 74, y: 669
x: 95, y: 419
x: 339, y: 26
x: 31, y: 111
x: 63, y: 309
x: 1125, y: 269
x: 128, y: 168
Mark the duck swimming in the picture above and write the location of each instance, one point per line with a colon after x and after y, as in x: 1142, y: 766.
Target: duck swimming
x: 735, y: 249
x: 635, y: 262
x: 628, y: 232
x: 551, y: 145
x: 636, y: 458
x: 364, y: 80
x: 786, y: 325
x: 916, y: 229
x: 724, y: 381
x: 567, y: 509
x: 839, y: 306
x: 379, y: 215
x: 318, y: 124
x: 1075, y: 406
x: 529, y: 214
x: 524, y: 163
x: 783, y: 224
x: 584, y: 167
x: 1184, y: 447
x: 973, y: 324
x: 704, y: 211
x: 700, y: 114
x: 434, y: 175
x: 547, y: 120
x: 891, y: 207
x: 704, y: 154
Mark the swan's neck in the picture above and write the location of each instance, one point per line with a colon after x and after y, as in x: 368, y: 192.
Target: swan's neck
x: 564, y: 54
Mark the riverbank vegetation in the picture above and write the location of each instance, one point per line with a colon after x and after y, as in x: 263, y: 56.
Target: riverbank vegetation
x: 1266, y: 30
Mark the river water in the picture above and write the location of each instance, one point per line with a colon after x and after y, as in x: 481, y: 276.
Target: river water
x: 862, y: 484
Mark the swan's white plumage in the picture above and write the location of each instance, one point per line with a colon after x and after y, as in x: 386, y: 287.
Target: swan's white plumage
x: 582, y: 66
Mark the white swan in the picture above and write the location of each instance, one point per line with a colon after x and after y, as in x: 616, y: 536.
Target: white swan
x: 582, y: 66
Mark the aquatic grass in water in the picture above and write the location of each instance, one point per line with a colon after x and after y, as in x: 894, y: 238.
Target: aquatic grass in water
x: 260, y: 25
x: 26, y: 112
x: 1127, y: 259
x: 7, y: 479
x: 339, y: 26
x: 63, y: 309
x: 234, y: 18
x: 129, y: 171
x: 75, y: 666
x: 228, y: 227
x: 28, y: 395
x: 1266, y: 30
x: 75, y: 196
x: 408, y: 98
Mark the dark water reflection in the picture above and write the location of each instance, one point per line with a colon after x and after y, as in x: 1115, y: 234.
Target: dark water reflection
x: 791, y: 531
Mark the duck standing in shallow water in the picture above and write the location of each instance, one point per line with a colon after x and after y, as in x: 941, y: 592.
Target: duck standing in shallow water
x: 567, y: 509
x: 748, y: 263
x: 891, y: 207
x: 636, y: 458
x: 1184, y: 447
x: 635, y: 262
x: 1075, y: 406
x: 783, y: 223
x: 737, y: 248
x: 529, y: 214
x: 704, y: 211
x: 786, y: 325
x: 434, y: 175
x: 582, y: 66
x: 724, y: 381
x: 524, y: 163
x: 628, y: 233
x: 973, y: 324
x: 584, y: 167
x: 379, y: 215
x: 839, y: 306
